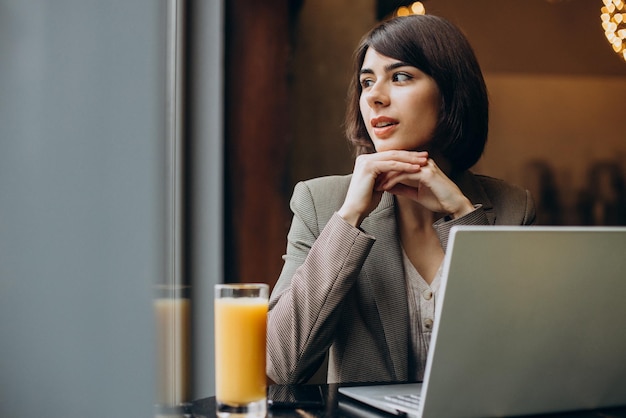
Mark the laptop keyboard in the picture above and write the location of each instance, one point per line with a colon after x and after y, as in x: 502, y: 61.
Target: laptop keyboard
x: 411, y: 401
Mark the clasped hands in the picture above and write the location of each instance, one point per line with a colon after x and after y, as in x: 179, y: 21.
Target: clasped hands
x: 410, y: 174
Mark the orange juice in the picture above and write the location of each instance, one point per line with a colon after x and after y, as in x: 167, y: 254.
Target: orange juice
x: 240, y: 332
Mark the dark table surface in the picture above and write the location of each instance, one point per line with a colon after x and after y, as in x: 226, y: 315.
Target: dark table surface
x: 338, y: 405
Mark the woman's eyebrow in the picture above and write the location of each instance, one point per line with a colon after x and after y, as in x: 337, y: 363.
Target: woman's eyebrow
x: 388, y: 68
x: 395, y: 65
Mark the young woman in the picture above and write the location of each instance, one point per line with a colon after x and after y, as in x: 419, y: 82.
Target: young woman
x: 365, y: 251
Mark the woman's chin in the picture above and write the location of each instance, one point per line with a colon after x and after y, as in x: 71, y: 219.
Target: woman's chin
x: 391, y: 147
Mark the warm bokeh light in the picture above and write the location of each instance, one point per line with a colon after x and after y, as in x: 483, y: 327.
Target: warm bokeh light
x: 612, y: 17
x: 417, y: 8
x: 403, y: 11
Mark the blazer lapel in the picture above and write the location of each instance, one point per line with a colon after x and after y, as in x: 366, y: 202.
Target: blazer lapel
x: 383, y: 280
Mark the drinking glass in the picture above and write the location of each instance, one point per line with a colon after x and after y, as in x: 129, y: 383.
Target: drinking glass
x: 172, y: 306
x: 240, y: 333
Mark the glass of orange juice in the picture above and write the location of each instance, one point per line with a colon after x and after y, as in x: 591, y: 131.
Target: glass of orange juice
x: 240, y: 333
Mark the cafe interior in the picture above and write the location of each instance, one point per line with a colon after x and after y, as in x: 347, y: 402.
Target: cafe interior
x: 143, y: 143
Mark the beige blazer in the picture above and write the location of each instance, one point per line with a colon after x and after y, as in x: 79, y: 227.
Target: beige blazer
x: 342, y: 289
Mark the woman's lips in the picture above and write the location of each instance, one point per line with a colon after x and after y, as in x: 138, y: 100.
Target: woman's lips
x: 383, y: 126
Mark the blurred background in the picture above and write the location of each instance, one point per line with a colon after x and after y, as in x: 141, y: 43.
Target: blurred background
x: 556, y: 120
x: 158, y: 142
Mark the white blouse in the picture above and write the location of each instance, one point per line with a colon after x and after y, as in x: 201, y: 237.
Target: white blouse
x: 421, y: 297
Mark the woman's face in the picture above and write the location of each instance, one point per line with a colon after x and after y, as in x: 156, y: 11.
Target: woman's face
x: 399, y: 103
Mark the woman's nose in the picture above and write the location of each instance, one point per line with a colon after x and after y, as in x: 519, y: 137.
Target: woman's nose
x: 377, y: 95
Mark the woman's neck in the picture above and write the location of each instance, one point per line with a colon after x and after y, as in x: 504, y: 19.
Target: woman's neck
x: 412, y: 216
x: 418, y: 237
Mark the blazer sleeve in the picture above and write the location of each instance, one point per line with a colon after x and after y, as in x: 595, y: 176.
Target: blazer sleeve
x: 319, y: 270
x: 444, y: 225
x: 511, y: 206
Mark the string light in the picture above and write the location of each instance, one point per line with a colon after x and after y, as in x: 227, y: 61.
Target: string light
x: 417, y: 8
x: 613, y: 17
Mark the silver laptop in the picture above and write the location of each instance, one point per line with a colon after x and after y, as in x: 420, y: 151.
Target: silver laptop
x: 528, y: 320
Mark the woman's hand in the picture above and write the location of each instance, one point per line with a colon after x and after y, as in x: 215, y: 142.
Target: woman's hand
x: 371, y: 171
x: 431, y: 188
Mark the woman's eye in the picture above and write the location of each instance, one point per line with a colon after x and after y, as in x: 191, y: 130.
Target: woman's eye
x: 366, y: 82
x: 401, y: 77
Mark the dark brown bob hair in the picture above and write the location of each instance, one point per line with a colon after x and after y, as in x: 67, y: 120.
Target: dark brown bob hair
x: 440, y: 50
